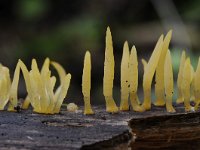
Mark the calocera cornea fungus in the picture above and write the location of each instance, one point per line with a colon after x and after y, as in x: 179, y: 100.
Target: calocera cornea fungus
x: 149, y: 73
x: 186, y: 81
x: 180, y: 78
x: 197, y: 86
x: 86, y: 84
x: 5, y: 84
x: 159, y: 86
x: 109, y: 66
x: 40, y: 88
x: 133, y: 68
x: 40, y: 84
x: 124, y: 105
x: 168, y: 82
x: 192, y: 97
x: 9, y: 89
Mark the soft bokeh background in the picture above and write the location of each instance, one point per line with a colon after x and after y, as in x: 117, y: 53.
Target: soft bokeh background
x: 64, y: 29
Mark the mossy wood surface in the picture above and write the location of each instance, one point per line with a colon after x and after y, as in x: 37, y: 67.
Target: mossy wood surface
x: 151, y: 129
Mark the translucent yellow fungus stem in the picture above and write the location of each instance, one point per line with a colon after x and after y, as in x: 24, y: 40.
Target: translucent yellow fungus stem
x: 149, y: 73
x: 159, y: 86
x: 180, y: 78
x: 186, y: 81
x: 108, y: 78
x: 60, y: 70
x: 86, y: 84
x: 197, y: 86
x: 124, y: 105
x: 192, y: 97
x: 133, y: 68
x: 5, y: 84
x: 14, y: 89
x: 169, y: 82
x: 63, y: 93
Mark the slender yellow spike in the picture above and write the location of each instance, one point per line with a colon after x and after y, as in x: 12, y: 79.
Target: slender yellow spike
x: 5, y: 84
x: 144, y: 63
x: 14, y: 89
x: 108, y: 78
x: 60, y: 70
x: 159, y: 86
x: 133, y: 68
x: 169, y: 82
x: 63, y: 93
x: 180, y: 78
x: 26, y: 78
x: 149, y: 73
x: 3, y: 94
x: 43, y: 99
x: 86, y: 84
x: 186, y: 81
x: 197, y: 86
x: 124, y: 105
x: 192, y: 98
x: 193, y: 89
x: 45, y: 67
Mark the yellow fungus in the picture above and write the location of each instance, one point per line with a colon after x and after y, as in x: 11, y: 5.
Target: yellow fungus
x: 197, y: 85
x: 186, y: 81
x: 86, y: 84
x: 159, y: 86
x: 168, y: 82
x: 63, y: 93
x: 40, y: 88
x: 180, y: 78
x: 149, y: 73
x: 5, y: 85
x: 109, y: 65
x: 26, y: 103
x: 124, y: 105
x: 60, y: 69
x: 133, y: 67
x: 192, y: 97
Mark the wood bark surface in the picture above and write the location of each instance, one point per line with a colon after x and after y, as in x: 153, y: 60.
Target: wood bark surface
x: 67, y: 130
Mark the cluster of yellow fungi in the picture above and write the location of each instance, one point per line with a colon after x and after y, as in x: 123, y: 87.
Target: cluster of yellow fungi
x: 40, y: 87
x: 44, y: 98
x: 160, y: 65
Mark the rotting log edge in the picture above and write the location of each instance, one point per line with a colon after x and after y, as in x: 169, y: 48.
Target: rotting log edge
x: 114, y: 143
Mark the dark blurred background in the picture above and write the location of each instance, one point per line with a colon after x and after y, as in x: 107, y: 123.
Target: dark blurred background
x: 64, y: 29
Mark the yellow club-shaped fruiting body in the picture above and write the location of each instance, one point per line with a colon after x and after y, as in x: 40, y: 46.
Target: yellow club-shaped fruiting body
x: 124, y: 105
x: 86, y: 84
x: 180, y: 78
x: 40, y: 88
x: 192, y: 97
x: 169, y: 82
x: 197, y: 86
x: 186, y: 81
x: 109, y: 66
x: 159, y: 86
x: 133, y: 68
x: 14, y: 89
x: 149, y: 73
x: 5, y: 85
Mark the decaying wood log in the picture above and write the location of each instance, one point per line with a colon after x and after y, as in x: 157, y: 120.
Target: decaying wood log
x: 167, y: 131
x: 151, y: 129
